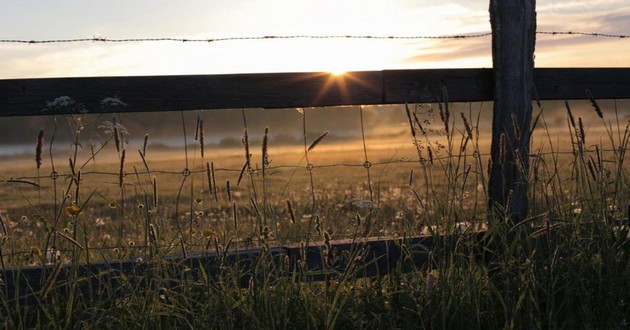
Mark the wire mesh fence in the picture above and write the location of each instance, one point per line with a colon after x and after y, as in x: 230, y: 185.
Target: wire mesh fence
x: 430, y: 175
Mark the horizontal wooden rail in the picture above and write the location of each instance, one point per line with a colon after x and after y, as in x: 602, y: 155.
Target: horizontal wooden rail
x: 372, y: 257
x: 27, y: 97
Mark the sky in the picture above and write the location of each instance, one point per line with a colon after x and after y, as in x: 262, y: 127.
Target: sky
x: 206, y: 19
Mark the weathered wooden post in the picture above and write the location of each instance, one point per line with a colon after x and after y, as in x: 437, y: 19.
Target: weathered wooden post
x: 513, y: 38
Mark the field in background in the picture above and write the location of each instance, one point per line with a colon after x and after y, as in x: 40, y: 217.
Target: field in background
x: 183, y: 194
x: 383, y: 173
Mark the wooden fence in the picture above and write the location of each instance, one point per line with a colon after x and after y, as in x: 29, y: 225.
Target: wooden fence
x: 25, y: 97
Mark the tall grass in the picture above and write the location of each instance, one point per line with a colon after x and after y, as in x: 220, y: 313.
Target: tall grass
x: 566, y: 266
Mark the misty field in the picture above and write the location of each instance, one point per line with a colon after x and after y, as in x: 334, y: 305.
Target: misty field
x: 95, y: 194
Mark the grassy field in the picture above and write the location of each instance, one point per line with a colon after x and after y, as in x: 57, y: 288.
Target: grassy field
x: 566, y: 266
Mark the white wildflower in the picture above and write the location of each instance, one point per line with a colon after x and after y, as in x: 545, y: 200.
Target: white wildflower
x: 112, y: 102
x: 108, y: 129
x: 64, y: 104
x: 61, y: 101
x: 52, y: 255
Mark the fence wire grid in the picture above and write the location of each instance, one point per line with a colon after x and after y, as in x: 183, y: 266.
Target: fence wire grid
x: 473, y: 163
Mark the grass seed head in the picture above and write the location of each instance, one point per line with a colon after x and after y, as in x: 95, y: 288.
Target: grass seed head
x: 121, y: 170
x: 317, y: 141
x: 570, y: 114
x: 502, y: 150
x: 38, y: 148
x: 413, y: 129
x: 202, y: 138
x: 467, y: 126
x: 595, y: 105
x: 516, y: 126
x: 581, y: 131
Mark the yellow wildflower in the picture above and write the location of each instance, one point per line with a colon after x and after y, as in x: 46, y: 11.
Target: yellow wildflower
x: 72, y: 210
x: 35, y: 251
x: 208, y: 233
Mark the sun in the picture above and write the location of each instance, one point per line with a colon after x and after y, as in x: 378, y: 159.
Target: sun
x: 337, y: 72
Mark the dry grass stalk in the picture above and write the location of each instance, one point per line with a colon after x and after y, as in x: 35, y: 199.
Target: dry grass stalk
x: 92, y: 152
x: 599, y: 157
x: 235, y: 215
x: 209, y: 175
x: 516, y: 126
x: 467, y: 126
x: 591, y: 169
x: 413, y: 130
x: 152, y: 234
x: 214, y: 182
x: 463, y: 147
x: 318, y: 225
x: 240, y: 175
x: 411, y: 177
x: 430, y: 152
x: 543, y: 231
x: 265, y: 151
x: 197, y: 128
x: 317, y: 141
x: 116, y: 138
x: 255, y: 206
x: 290, y: 211
x: 465, y: 177
x: 245, y: 141
x: 443, y: 117
x: 571, y: 118
x: 76, y: 191
x: 202, y: 138
x: 508, y: 202
x: 445, y: 114
x: 71, y: 163
x: 418, y: 198
x: 144, y: 145
x: 228, y: 189
x: 489, y: 170
x: 50, y: 282
x: 581, y: 131
x: 144, y: 161
x: 155, y: 193
x: 502, y: 150
x: 71, y: 240
x: 38, y: 148
x: 417, y: 121
x: 183, y: 247
x: 121, y: 170
x: 596, y: 106
x: 3, y: 226
x: 528, y: 220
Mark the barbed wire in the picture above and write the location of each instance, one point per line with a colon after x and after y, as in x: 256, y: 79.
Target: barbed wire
x: 303, y: 36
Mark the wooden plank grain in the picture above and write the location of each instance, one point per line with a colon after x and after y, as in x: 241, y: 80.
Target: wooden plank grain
x: 425, y: 86
x: 27, y: 97
x: 24, y: 97
x: 571, y: 83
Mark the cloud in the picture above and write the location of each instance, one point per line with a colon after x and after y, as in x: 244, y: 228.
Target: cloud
x: 453, y: 50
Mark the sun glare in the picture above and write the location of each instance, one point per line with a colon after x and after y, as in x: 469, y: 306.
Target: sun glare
x: 337, y: 72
